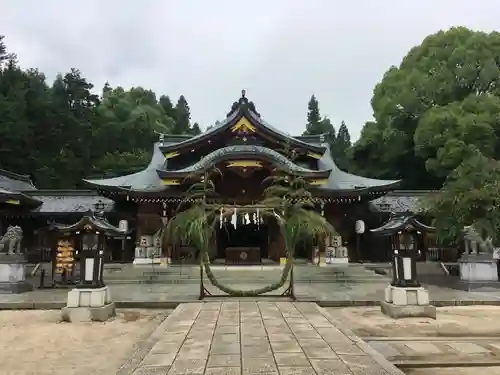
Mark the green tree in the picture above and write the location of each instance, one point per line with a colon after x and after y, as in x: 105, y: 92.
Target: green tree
x: 182, y: 117
x: 451, y: 72
x: 313, y: 115
x: 114, y: 164
x: 340, y: 147
x: 470, y: 196
x: 195, y: 130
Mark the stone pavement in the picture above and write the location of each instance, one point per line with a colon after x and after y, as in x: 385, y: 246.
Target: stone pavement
x: 438, y: 351
x: 324, y: 293
x: 254, y: 338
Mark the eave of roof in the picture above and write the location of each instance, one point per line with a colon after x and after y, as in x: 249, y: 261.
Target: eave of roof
x: 89, y: 219
x: 399, y: 223
x: 15, y: 182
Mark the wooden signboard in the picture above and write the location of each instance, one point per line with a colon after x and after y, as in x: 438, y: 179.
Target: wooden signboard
x: 65, y: 256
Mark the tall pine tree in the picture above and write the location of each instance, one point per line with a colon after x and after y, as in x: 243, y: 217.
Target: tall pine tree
x: 341, y: 145
x: 182, y: 117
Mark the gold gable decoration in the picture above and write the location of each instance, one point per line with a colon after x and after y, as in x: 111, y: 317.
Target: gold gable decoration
x: 12, y: 201
x: 171, y: 155
x: 170, y: 181
x: 323, y: 181
x: 244, y: 164
x: 243, y: 126
x: 314, y: 155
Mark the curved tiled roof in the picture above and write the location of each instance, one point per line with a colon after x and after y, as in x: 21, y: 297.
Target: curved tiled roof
x: 399, y: 222
x: 237, y: 150
x: 146, y: 180
x: 98, y: 222
x: 340, y: 180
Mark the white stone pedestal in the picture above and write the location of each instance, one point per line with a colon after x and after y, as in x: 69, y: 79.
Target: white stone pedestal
x: 407, y: 302
x: 336, y: 257
x: 146, y: 256
x: 478, y: 268
x: 13, y: 275
x: 85, y: 305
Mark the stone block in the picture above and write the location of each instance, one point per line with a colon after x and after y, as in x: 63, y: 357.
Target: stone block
x: 478, y: 270
x: 88, y: 314
x: 13, y: 275
x: 82, y: 297
x: 407, y: 302
x: 406, y: 296
x: 408, y: 311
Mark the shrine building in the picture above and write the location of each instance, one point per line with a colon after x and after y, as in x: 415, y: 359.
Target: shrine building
x: 246, y: 149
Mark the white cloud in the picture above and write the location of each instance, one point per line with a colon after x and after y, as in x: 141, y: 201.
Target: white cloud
x: 281, y: 51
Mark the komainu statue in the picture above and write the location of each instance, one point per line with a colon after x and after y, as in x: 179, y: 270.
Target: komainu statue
x: 475, y: 244
x: 10, y: 242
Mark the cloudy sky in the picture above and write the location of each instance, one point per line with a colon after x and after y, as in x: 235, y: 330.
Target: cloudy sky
x: 280, y: 51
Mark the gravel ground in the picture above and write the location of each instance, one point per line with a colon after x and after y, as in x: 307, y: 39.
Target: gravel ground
x: 463, y: 321
x: 38, y: 343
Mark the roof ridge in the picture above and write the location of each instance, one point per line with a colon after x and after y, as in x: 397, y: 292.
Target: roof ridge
x: 16, y: 176
x: 61, y: 192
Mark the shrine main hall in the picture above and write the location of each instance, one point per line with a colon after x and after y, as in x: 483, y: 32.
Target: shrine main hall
x: 247, y: 150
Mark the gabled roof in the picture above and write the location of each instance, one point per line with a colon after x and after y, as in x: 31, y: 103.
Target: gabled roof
x: 68, y: 201
x: 150, y: 179
x: 99, y: 223
x: 399, y: 223
x: 242, y: 108
x: 14, y: 182
x: 12, y: 186
x: 401, y: 201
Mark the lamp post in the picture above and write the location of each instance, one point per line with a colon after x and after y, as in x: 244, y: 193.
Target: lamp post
x: 359, y: 228
x: 404, y: 265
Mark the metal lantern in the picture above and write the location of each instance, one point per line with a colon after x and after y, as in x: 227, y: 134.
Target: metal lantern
x: 91, y: 262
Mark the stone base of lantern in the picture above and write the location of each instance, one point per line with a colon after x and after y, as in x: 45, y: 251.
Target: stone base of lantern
x: 478, y: 268
x: 85, y: 305
x: 407, y: 303
x: 336, y: 256
x: 147, y: 261
x: 13, y: 275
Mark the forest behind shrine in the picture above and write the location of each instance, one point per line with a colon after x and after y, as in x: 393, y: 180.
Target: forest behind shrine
x: 436, y: 124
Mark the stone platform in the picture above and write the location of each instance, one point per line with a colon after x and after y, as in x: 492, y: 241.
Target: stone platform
x: 236, y: 337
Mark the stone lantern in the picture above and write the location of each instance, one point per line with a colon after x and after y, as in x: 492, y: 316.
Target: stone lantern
x: 405, y: 297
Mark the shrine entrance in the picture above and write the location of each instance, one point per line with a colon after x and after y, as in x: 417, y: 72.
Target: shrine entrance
x: 246, y: 243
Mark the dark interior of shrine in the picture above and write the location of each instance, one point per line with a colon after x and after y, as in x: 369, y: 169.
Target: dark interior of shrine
x: 244, y: 235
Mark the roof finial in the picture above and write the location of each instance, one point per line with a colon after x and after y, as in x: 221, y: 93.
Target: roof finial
x: 243, y: 93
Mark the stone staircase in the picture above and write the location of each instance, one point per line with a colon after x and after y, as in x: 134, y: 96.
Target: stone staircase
x: 190, y: 274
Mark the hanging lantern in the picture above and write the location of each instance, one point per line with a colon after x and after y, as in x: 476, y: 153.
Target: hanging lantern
x: 234, y: 219
x: 359, y: 227
x: 123, y: 225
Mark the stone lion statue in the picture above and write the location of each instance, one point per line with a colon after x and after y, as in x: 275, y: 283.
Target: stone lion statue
x: 10, y: 242
x: 474, y: 243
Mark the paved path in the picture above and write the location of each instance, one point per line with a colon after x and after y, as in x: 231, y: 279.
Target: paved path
x: 254, y: 338
x: 435, y: 351
x: 330, y: 292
